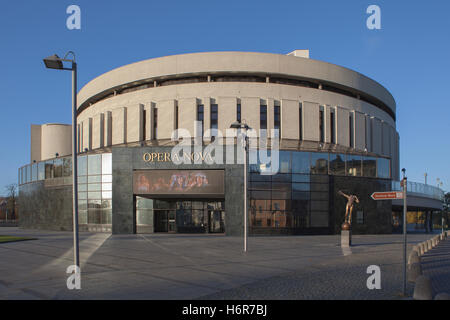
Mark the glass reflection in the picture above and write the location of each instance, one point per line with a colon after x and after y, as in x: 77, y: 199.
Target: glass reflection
x: 369, y: 167
x: 337, y: 164
x: 300, y: 162
x: 354, y: 165
x: 319, y: 163
x: 383, y: 167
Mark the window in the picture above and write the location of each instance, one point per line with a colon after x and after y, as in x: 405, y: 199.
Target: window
x: 300, y: 122
x: 155, y: 123
x: 144, y: 124
x: 332, y: 126
x: 238, y: 112
x: 354, y: 165
x: 263, y: 117
x: 301, y: 162
x: 176, y: 117
x: 337, y: 164
x: 213, y: 119
x: 200, y: 115
x: 369, y: 167
x: 321, y: 124
x: 383, y: 168
x: 319, y: 163
x: 277, y: 119
x: 350, y: 128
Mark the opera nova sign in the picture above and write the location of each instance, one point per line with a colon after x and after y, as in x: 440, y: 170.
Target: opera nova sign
x: 168, y: 157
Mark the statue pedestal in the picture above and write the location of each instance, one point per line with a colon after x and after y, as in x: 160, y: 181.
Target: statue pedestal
x: 346, y: 238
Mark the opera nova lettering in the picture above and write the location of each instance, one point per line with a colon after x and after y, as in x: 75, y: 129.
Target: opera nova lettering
x: 167, y: 156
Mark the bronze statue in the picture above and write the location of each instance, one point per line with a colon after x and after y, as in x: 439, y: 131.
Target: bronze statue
x: 349, y: 208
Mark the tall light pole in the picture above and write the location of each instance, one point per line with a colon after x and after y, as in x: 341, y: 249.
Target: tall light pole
x: 239, y: 125
x: 404, y: 184
x: 55, y: 62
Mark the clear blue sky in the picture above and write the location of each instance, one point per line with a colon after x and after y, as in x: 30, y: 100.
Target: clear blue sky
x: 410, y: 56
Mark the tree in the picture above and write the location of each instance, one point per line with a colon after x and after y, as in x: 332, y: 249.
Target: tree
x: 11, y: 193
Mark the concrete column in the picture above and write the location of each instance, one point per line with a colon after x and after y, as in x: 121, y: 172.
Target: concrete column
x: 360, y: 130
x: 327, y: 123
x: 250, y: 111
x: 386, y: 148
x: 376, y: 136
x: 87, y: 134
x: 187, y: 111
x: 119, y: 125
x: 98, y: 131
x: 227, y: 107
x: 166, y: 118
x: 342, y: 123
x: 290, y: 119
x: 368, y: 123
x: 310, y: 119
x: 134, y: 123
x: 36, y: 144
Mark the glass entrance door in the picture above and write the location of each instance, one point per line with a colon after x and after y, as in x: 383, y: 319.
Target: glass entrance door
x: 161, y: 221
x: 183, y: 216
x: 216, y: 218
x: 171, y: 221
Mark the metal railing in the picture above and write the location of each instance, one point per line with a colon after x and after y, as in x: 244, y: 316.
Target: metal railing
x: 426, y: 190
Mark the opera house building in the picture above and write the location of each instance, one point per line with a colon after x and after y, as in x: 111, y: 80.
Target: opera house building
x: 156, y: 151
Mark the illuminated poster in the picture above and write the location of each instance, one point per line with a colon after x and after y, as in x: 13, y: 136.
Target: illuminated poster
x: 179, y: 182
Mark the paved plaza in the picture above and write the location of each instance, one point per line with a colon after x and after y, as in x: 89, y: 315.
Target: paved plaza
x: 180, y: 266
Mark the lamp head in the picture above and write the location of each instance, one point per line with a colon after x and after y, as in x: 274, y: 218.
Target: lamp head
x: 53, y: 62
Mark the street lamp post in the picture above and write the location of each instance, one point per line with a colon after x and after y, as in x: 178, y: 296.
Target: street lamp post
x: 55, y: 62
x: 405, y: 241
x: 239, y: 125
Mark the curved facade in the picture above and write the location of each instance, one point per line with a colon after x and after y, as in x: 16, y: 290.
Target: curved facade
x: 336, y: 131
x: 318, y: 102
x: 50, y: 140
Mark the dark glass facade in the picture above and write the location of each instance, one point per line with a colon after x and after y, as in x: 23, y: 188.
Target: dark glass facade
x: 297, y: 199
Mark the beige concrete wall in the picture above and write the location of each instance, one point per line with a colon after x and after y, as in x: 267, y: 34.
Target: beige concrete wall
x: 250, y: 108
x: 125, y: 120
x: 134, y: 123
x: 290, y: 119
x: 360, y: 131
x: 227, y: 108
x: 232, y: 62
x: 386, y: 148
x: 119, y: 117
x: 166, y: 118
x: 376, y: 136
x: 310, y: 118
x: 35, y: 152
x: 98, y: 130
x: 187, y: 109
x: 56, y: 138
x: 342, y: 123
